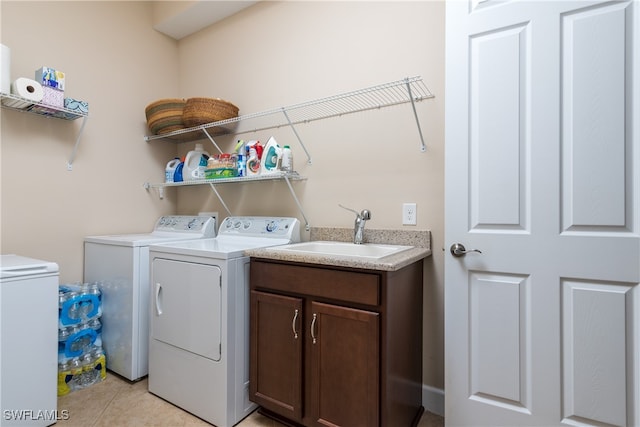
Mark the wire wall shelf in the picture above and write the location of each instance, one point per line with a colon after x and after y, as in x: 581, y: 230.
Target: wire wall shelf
x: 410, y: 89
x: 48, y: 111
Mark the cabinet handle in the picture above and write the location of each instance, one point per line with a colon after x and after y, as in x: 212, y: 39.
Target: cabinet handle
x: 313, y: 326
x: 293, y: 324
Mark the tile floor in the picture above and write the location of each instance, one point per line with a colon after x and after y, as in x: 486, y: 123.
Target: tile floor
x: 118, y: 402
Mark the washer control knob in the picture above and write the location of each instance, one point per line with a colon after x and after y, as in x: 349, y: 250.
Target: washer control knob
x: 272, y: 226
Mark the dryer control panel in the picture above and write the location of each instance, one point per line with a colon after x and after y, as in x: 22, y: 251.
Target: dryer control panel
x: 261, y: 226
x: 196, y: 224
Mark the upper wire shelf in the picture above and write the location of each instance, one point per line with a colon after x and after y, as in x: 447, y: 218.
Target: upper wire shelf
x: 410, y: 89
x: 49, y: 111
x: 42, y: 109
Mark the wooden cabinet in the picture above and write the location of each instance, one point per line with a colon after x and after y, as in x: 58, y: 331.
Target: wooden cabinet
x: 336, y: 346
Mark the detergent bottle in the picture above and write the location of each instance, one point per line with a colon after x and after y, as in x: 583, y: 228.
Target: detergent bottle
x: 170, y: 169
x: 286, y: 164
x: 271, y: 157
x: 177, y: 175
x: 195, y: 164
x: 253, y: 158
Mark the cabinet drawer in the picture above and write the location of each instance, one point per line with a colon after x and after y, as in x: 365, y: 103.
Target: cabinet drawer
x: 343, y: 285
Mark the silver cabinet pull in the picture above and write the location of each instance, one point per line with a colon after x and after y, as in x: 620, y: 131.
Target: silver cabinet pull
x: 313, y: 325
x: 293, y: 324
x: 458, y: 250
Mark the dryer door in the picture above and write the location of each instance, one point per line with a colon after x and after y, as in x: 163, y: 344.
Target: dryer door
x: 186, y: 306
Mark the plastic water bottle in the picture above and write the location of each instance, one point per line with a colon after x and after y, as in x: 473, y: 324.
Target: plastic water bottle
x: 89, y: 374
x: 64, y: 375
x: 75, y: 370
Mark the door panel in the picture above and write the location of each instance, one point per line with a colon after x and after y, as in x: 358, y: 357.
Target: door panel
x: 598, y: 356
x: 594, y: 142
x: 498, y: 135
x: 276, y: 353
x: 543, y: 143
x: 499, y: 362
x: 186, y: 306
x: 345, y: 366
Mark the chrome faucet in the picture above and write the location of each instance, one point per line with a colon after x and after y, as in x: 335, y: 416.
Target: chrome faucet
x: 361, y: 219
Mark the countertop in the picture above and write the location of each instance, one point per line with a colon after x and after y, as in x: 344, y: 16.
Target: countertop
x: 420, y: 239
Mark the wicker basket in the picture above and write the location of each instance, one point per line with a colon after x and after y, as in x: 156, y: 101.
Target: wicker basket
x: 165, y: 115
x: 200, y: 111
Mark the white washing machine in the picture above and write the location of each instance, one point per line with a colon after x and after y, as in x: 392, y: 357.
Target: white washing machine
x: 120, y: 263
x: 199, y: 338
x: 28, y: 341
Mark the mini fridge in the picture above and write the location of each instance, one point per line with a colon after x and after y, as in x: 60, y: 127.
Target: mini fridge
x: 28, y: 341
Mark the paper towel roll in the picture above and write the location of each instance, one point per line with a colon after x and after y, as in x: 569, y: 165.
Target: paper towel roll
x: 27, y: 89
x: 5, y: 69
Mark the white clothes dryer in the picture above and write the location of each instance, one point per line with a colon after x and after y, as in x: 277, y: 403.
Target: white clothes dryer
x: 199, y: 334
x: 120, y: 263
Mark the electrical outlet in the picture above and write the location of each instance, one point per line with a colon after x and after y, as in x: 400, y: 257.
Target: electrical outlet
x: 409, y: 214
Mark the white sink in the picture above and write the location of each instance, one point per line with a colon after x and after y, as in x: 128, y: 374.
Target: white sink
x: 319, y: 247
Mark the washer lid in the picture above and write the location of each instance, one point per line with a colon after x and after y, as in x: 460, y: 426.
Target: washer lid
x: 20, y: 266
x: 142, y: 239
x: 167, y: 229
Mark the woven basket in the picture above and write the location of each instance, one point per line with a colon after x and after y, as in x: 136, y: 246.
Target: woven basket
x: 165, y: 115
x: 200, y: 111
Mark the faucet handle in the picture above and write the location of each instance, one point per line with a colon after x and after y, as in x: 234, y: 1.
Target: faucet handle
x: 365, y: 214
x: 349, y: 209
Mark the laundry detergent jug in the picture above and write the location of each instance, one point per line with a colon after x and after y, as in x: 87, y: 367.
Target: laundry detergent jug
x: 195, y: 164
x: 170, y: 170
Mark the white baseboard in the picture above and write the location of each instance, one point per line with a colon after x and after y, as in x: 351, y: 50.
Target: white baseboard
x: 433, y: 399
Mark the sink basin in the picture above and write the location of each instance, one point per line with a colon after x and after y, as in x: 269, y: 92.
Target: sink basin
x: 345, y: 249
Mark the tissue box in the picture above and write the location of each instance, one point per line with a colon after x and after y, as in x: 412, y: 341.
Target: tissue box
x: 80, y: 107
x: 48, y: 77
x: 53, y: 97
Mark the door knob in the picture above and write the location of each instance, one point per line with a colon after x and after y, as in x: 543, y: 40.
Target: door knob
x: 458, y: 250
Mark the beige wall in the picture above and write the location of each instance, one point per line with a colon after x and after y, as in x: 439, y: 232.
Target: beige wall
x: 115, y: 61
x: 269, y: 55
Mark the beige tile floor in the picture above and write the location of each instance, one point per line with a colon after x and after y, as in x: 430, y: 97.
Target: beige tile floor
x: 118, y: 402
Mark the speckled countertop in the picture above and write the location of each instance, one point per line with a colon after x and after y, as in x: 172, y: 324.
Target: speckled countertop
x: 419, y: 239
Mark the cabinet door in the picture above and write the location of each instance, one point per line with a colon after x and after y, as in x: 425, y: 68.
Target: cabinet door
x: 345, y: 385
x: 276, y: 353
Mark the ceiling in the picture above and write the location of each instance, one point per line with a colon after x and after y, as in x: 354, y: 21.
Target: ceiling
x: 197, y: 15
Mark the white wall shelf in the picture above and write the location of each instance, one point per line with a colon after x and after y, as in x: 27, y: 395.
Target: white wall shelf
x: 288, y: 177
x: 410, y: 89
x: 49, y: 111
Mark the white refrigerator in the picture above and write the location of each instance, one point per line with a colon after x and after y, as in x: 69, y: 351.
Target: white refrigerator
x: 28, y: 341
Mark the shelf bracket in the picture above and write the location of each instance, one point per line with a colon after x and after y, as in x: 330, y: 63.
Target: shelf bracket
x: 212, y: 140
x: 75, y: 147
x: 423, y: 147
x: 215, y: 190
x: 148, y: 186
x: 295, y: 132
x: 307, y: 227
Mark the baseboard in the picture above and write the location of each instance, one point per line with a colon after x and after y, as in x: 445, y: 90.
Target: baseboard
x: 433, y: 399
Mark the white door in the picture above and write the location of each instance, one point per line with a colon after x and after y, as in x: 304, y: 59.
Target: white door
x: 542, y: 152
